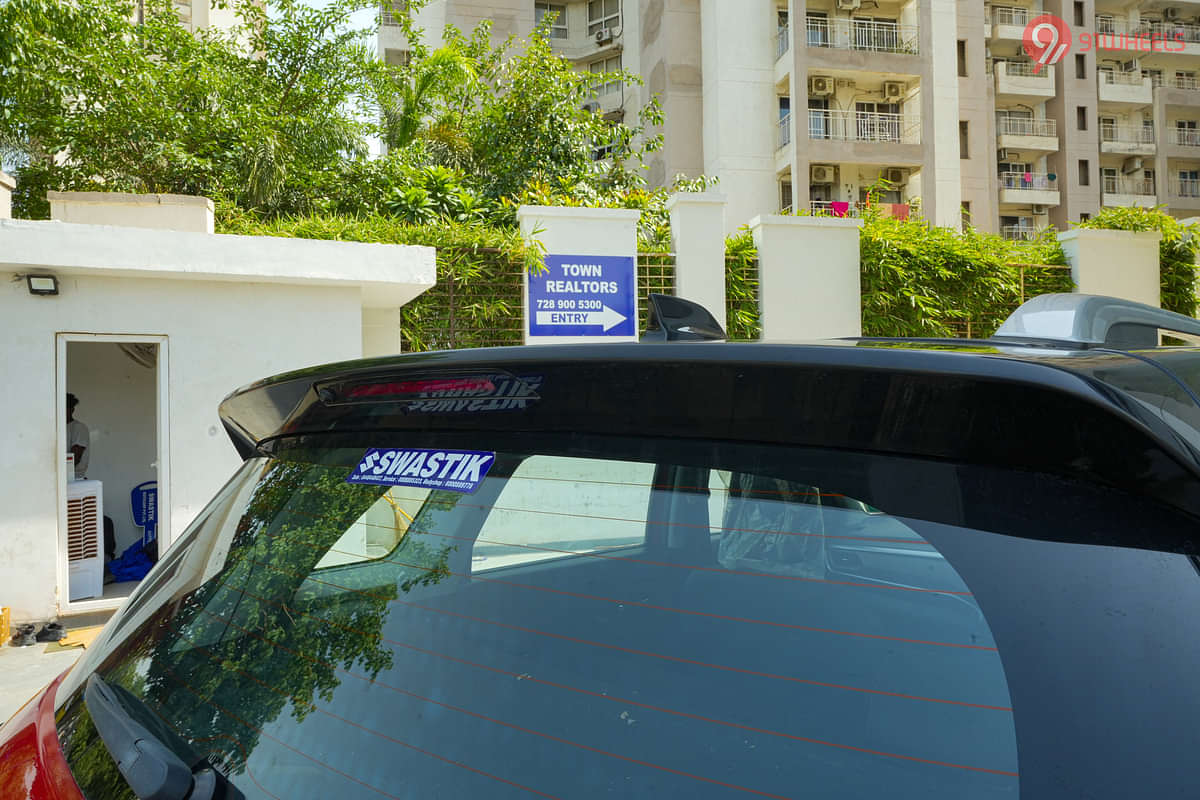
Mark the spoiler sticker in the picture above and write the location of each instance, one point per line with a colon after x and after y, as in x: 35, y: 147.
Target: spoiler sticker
x: 452, y: 470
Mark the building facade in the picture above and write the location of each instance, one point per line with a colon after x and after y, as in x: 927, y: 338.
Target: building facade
x: 808, y: 104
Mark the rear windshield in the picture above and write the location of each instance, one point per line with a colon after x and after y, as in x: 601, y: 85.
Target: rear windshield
x: 564, y: 626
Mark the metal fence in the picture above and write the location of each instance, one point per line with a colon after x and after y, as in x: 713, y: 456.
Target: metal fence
x: 1035, y: 279
x: 655, y: 275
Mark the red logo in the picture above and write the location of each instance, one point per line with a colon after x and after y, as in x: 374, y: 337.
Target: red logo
x: 1047, y: 40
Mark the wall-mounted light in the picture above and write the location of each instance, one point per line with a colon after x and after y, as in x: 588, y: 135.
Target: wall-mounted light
x: 42, y: 284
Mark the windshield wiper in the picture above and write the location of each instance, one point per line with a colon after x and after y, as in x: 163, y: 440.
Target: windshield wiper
x: 152, y: 770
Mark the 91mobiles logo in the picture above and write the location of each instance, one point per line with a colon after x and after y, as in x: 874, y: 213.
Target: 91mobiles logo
x: 1047, y: 40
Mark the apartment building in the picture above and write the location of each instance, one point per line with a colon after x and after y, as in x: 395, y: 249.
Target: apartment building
x: 806, y: 104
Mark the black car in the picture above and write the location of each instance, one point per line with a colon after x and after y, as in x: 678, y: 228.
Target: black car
x: 856, y: 569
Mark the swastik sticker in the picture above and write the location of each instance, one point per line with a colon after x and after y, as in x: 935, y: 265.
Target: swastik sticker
x: 454, y: 470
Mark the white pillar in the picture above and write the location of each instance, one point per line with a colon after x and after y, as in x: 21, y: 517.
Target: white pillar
x: 809, y: 282
x: 7, y: 184
x: 380, y: 332
x: 698, y: 237
x: 564, y: 231
x: 1114, y: 263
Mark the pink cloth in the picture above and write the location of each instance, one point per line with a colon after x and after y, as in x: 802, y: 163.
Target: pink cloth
x: 900, y: 210
x: 839, y: 209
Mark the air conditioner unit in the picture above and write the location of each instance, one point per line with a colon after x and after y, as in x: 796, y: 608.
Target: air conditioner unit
x: 85, y: 544
x: 1039, y: 210
x: 895, y: 175
x: 848, y: 5
x: 1131, y: 165
x: 604, y: 36
x: 1133, y: 65
x: 1170, y: 13
x: 1004, y: 155
x: 893, y: 90
x: 820, y: 173
x: 820, y: 85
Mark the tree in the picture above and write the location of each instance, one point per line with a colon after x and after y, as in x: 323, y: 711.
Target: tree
x: 92, y: 99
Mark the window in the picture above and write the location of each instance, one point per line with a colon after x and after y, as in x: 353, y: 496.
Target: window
x: 1078, y: 14
x: 1080, y: 65
x: 1108, y: 180
x: 785, y: 196
x: 817, y: 28
x: 964, y: 147
x: 1084, y: 216
x: 1106, y: 24
x: 558, y: 28
x: 820, y: 121
x: 1081, y: 117
x: 603, y: 14
x: 962, y: 58
x: 1085, y: 173
x: 966, y: 214
x: 602, y: 68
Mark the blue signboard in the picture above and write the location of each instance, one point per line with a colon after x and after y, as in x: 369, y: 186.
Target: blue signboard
x: 584, y: 296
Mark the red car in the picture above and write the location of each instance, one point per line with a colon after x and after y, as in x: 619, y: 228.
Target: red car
x: 895, y: 569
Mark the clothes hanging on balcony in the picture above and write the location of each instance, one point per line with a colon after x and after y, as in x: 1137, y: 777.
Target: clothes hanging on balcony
x: 900, y: 210
x: 839, y: 209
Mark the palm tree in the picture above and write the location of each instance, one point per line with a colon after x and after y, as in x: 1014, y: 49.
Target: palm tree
x: 412, y: 97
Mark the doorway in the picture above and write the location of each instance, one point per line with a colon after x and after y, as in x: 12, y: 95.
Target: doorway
x: 112, y: 413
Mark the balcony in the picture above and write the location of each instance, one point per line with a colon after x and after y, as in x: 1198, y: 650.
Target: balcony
x: 783, y: 38
x: 1018, y: 233
x: 1168, y: 35
x: 1021, y: 133
x: 1135, y: 140
x: 1028, y: 188
x: 1117, y: 190
x: 862, y: 35
x: 1184, y: 193
x: 864, y: 126
x: 1009, y: 23
x: 1125, y: 87
x: 1184, y: 137
x: 1016, y: 80
x: 834, y: 208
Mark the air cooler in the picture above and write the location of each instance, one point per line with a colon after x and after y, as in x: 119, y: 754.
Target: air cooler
x: 85, y: 539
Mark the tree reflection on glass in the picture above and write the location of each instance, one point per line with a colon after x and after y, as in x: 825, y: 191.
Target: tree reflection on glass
x: 270, y: 629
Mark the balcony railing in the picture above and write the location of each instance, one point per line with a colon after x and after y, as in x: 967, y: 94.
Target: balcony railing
x: 873, y: 36
x: 1024, y: 126
x: 1037, y: 181
x: 1011, y: 16
x: 1171, y: 31
x: 785, y: 130
x: 1135, y: 134
x: 834, y: 208
x: 782, y: 40
x: 1018, y: 233
x: 1176, y: 81
x: 1117, y: 184
x: 864, y: 126
x: 1024, y: 69
x: 1112, y: 77
x: 1186, y: 187
x: 1188, y: 137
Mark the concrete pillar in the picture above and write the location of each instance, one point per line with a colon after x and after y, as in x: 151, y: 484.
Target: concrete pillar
x: 809, y: 277
x: 174, y: 212
x: 567, y: 231
x: 941, y: 181
x: 7, y: 184
x: 1114, y: 263
x: 380, y: 332
x: 698, y: 236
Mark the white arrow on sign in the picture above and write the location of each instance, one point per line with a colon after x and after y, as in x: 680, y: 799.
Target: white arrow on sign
x: 606, y: 317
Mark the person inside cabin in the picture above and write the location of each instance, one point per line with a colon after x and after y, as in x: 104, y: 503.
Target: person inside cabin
x: 79, y: 444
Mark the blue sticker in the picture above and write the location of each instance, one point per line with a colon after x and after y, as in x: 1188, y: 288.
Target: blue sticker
x: 453, y: 470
